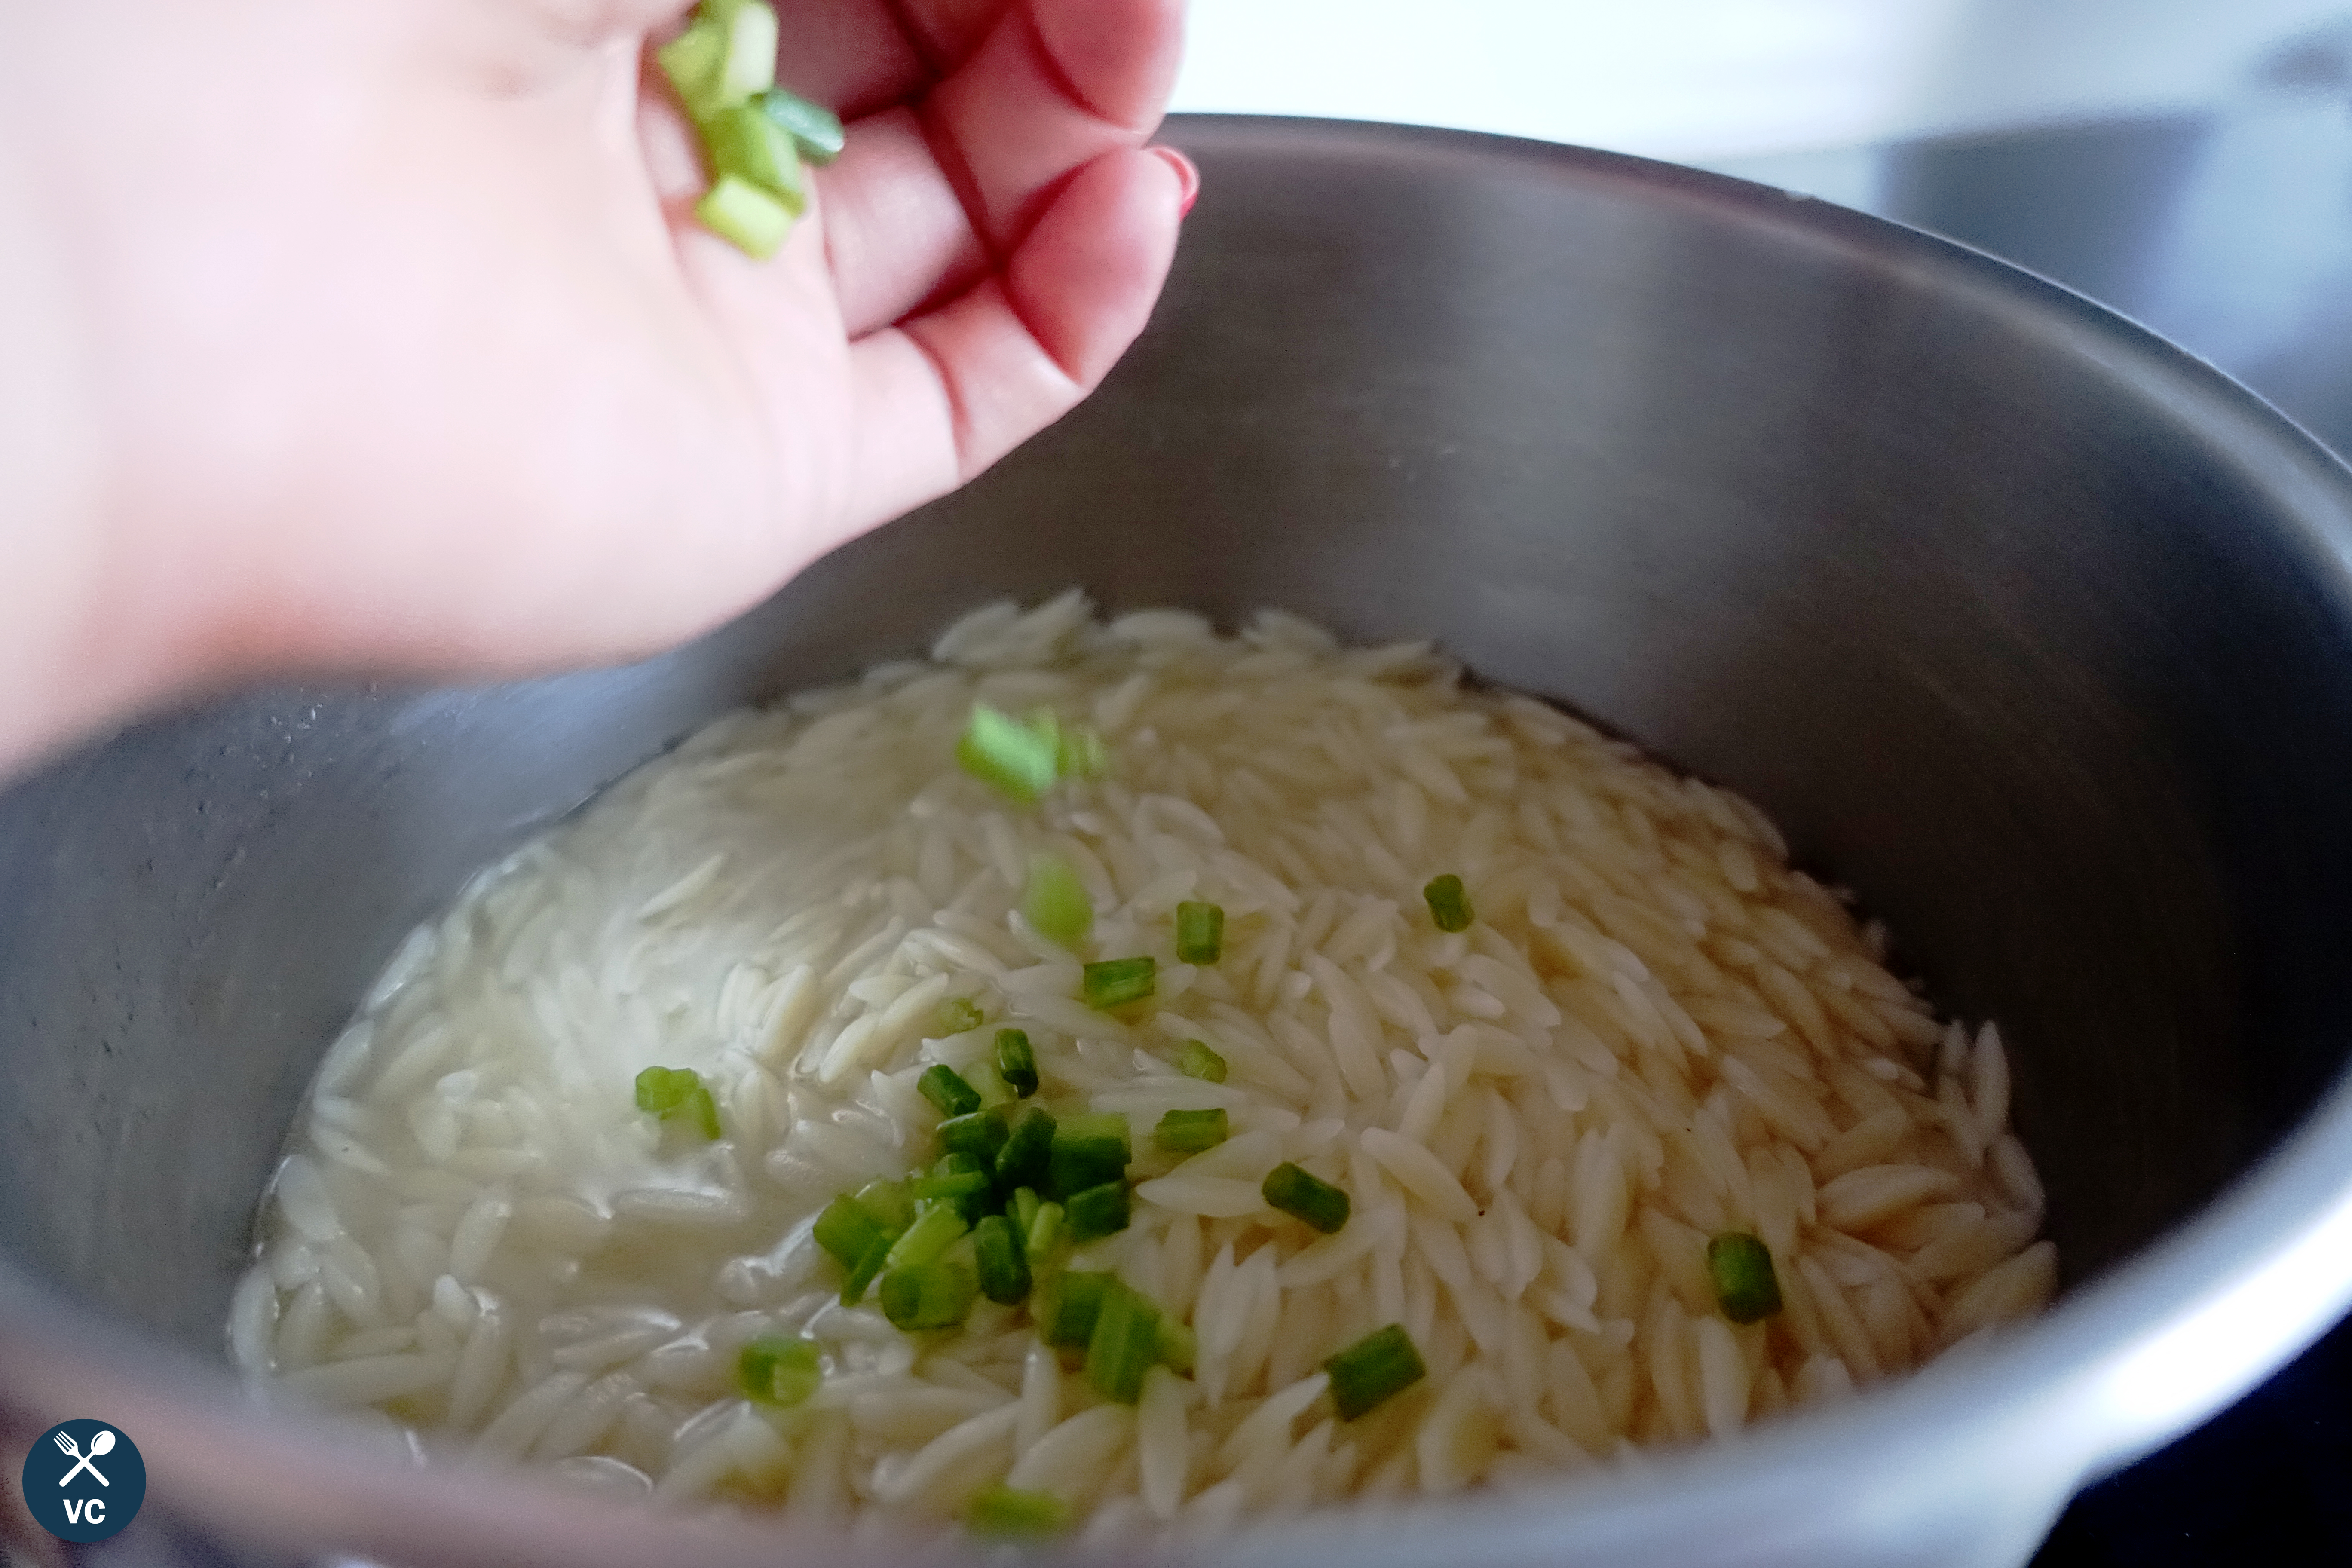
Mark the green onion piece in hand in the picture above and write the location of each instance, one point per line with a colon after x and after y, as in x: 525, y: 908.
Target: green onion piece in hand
x: 1197, y: 1061
x: 1381, y: 1364
x: 814, y: 129
x: 773, y: 1370
x: 1124, y: 1345
x: 1449, y: 906
x: 691, y: 61
x: 1200, y: 932
x: 1054, y: 903
x: 1189, y: 1131
x: 927, y: 1296
x: 744, y: 215
x: 748, y: 66
x: 1001, y: 1513
x: 945, y: 1088
x: 1003, y: 1260
x: 1097, y: 1212
x: 1089, y: 1150
x: 1007, y: 755
x: 1304, y: 1197
x: 1016, y: 1063
x: 1026, y: 1160
x: 740, y: 141
x: 933, y: 1232
x: 1120, y: 981
x: 1741, y: 1265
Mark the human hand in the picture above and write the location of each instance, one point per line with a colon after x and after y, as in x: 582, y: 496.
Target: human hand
x: 395, y: 343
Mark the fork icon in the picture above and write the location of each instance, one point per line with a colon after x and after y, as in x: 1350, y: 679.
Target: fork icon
x: 101, y: 1444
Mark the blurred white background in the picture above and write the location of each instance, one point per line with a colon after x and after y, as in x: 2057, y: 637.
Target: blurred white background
x: 1703, y: 81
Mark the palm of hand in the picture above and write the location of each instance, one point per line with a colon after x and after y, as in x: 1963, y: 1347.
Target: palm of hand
x: 452, y: 380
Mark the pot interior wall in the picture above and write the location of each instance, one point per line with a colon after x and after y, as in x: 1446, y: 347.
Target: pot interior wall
x: 2022, y: 626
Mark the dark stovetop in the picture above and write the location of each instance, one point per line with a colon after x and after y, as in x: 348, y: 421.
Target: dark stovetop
x: 2231, y: 235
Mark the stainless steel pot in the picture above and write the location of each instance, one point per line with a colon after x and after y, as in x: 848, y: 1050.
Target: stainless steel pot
x: 2024, y: 623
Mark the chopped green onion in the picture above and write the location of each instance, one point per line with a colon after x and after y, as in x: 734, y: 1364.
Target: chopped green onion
x: 890, y: 1205
x: 814, y: 129
x: 1449, y: 906
x: 1016, y: 1064
x: 1124, y: 1345
x: 722, y: 62
x: 1383, y: 1363
x: 1023, y: 1210
x: 1044, y: 1237
x: 869, y: 1269
x: 1097, y: 1212
x: 1054, y: 903
x: 1089, y: 1150
x: 1081, y: 753
x: 1741, y: 1265
x: 691, y: 61
x: 988, y: 1084
x: 1026, y: 1159
x: 1197, y: 1061
x: 955, y: 1179
x: 744, y: 215
x: 1002, y: 1259
x: 958, y: 1014
x: 1200, y: 932
x: 679, y: 1094
x: 1189, y: 1131
x: 1077, y: 1302
x: 847, y: 1231
x: 945, y: 1088
x: 748, y: 64
x: 927, y: 1296
x: 1008, y: 757
x: 933, y: 1231
x: 979, y: 1133
x: 1302, y: 1196
x: 741, y: 141
x: 1001, y: 1511
x: 1178, y: 1347
x: 661, y: 1090
x: 773, y: 1370
x: 1117, y: 982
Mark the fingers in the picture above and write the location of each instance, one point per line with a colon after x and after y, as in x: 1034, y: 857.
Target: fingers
x: 863, y: 56
x: 921, y: 200
x: 1055, y: 85
x: 895, y: 229
x: 948, y: 393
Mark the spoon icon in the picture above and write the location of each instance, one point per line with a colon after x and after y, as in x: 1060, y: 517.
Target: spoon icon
x: 101, y: 1444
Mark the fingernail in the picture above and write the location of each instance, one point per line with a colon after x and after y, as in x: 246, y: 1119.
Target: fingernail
x: 1186, y: 175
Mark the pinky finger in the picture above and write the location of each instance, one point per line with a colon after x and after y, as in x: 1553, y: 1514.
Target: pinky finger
x: 943, y: 395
